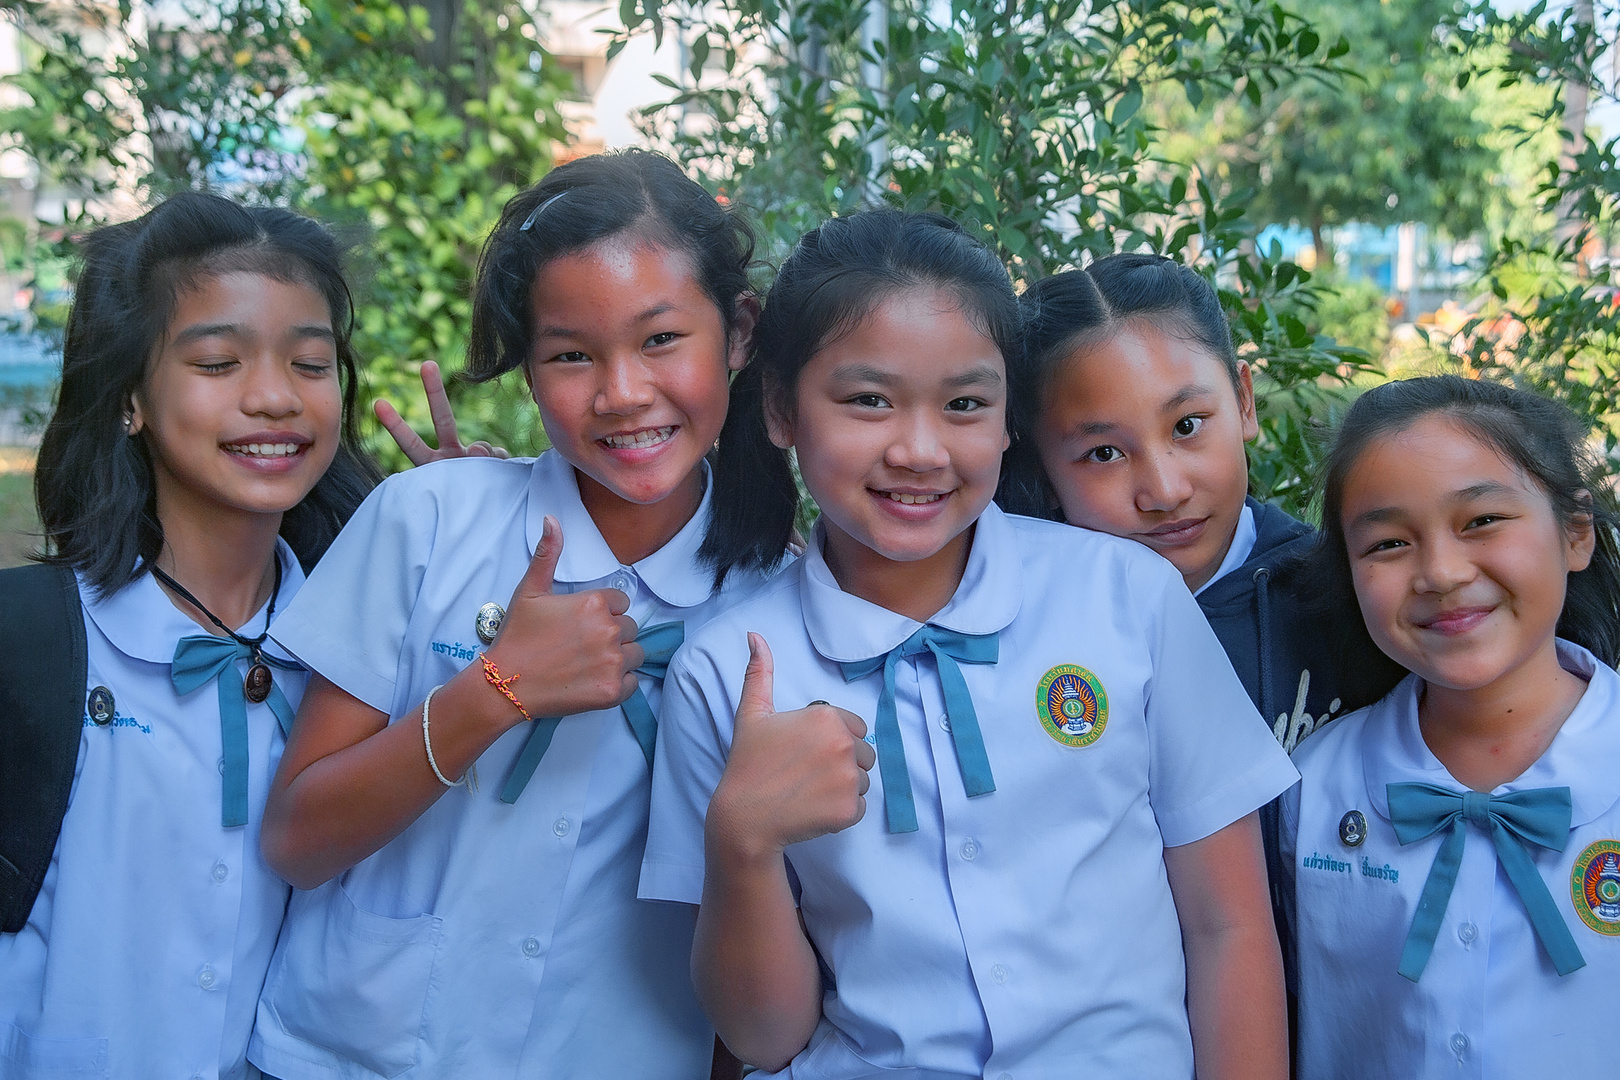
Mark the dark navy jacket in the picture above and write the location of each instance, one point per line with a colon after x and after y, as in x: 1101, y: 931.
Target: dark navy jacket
x: 1299, y: 672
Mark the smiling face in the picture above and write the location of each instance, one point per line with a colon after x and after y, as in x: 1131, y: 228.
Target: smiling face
x: 899, y: 425
x: 1142, y: 435
x: 241, y: 406
x: 630, y: 368
x: 1459, y: 560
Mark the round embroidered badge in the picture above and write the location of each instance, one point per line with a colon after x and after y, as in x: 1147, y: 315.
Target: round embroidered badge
x: 1595, y: 886
x: 1072, y: 705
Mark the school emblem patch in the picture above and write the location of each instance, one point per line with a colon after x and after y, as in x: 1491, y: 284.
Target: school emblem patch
x: 1595, y: 886
x: 1072, y: 705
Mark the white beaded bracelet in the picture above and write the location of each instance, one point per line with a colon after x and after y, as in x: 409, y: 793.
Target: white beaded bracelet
x: 427, y: 743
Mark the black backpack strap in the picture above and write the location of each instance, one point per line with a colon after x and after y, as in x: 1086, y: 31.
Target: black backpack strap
x: 43, y: 666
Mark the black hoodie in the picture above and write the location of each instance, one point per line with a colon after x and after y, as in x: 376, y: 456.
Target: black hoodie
x: 1296, y: 670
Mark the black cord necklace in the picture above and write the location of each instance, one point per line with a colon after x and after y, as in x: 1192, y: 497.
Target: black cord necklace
x: 256, y: 687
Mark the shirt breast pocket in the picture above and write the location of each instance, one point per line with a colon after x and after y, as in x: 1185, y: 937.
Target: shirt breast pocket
x: 354, y: 983
x: 1350, y: 906
x: 23, y: 1057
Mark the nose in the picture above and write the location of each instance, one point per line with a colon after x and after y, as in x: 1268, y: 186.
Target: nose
x: 1443, y: 565
x: 1162, y: 482
x: 271, y: 390
x: 625, y: 387
x: 916, y: 445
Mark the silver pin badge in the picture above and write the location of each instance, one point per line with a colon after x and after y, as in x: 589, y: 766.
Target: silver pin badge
x: 1352, y: 828
x: 488, y: 624
x: 100, y: 706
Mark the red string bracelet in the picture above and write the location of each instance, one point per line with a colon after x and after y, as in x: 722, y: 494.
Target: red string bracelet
x: 492, y: 675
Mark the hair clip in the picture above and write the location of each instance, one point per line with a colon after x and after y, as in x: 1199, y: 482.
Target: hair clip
x: 528, y: 222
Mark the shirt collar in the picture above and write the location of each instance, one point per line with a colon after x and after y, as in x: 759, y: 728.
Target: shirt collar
x: 1584, y: 755
x: 1237, y: 552
x: 142, y: 622
x: 843, y: 627
x: 672, y: 572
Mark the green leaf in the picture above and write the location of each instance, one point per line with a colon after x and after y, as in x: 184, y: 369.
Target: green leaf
x: 1127, y: 105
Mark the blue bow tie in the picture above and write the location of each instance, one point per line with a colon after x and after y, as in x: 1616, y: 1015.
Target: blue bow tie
x: 202, y: 658
x: 659, y: 643
x: 1540, y: 815
x: 948, y: 647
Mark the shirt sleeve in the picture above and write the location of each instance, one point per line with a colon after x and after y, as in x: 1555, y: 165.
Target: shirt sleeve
x: 694, y: 740
x: 1212, y: 759
x: 348, y: 622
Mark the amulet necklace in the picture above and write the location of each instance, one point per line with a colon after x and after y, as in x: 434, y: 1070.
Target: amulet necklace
x: 256, y: 687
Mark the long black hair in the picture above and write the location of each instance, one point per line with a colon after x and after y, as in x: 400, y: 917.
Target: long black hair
x: 836, y: 276
x: 1080, y: 307
x: 93, y: 483
x: 582, y: 203
x: 1541, y: 437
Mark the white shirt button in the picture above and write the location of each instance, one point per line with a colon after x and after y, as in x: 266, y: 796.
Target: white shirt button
x: 1459, y: 1044
x: 999, y: 973
x: 221, y: 872
x: 206, y: 978
x: 621, y: 581
x: 222, y: 766
x: 1004, y: 1076
x: 531, y: 946
x: 1467, y: 932
x: 945, y: 724
x: 561, y: 826
x: 970, y: 850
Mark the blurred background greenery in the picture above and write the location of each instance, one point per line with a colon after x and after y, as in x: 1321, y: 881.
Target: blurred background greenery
x: 1376, y: 187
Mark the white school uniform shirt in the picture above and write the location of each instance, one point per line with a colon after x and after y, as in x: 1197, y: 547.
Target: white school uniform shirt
x: 146, y: 950
x: 1489, y: 1003
x: 1028, y: 932
x: 487, y: 939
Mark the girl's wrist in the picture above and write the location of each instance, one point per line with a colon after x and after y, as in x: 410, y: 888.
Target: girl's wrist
x: 733, y: 843
x: 469, y: 699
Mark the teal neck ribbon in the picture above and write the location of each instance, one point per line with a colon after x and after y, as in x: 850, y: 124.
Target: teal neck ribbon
x: 200, y: 659
x: 1540, y: 815
x: 948, y: 647
x: 659, y: 643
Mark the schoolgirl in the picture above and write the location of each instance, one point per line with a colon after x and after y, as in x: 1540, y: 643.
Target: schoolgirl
x: 202, y: 454
x: 1140, y: 409
x: 1455, y: 848
x: 1067, y: 768
x: 517, y: 614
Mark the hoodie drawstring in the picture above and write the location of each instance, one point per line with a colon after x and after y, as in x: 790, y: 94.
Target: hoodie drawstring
x: 1262, y: 599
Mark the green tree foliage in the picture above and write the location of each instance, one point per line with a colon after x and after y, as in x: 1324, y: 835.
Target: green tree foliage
x: 1552, y: 323
x: 417, y: 142
x: 1023, y: 120
x: 406, y: 126
x: 1397, y: 140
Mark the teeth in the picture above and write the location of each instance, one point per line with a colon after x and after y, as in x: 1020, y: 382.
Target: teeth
x: 912, y: 500
x: 264, y: 449
x: 650, y: 437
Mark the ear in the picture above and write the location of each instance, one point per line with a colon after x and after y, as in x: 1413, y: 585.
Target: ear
x: 133, y: 417
x: 1580, y: 537
x: 1246, y: 409
x: 743, y: 321
x: 778, y: 425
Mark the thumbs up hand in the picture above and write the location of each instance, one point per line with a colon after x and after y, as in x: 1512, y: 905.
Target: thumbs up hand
x: 576, y: 652
x: 791, y: 776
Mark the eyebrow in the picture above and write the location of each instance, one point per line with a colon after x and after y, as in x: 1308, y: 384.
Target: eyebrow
x: 567, y: 332
x: 982, y: 375
x: 1480, y: 490
x: 1184, y: 395
x: 1175, y: 401
x: 200, y: 331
